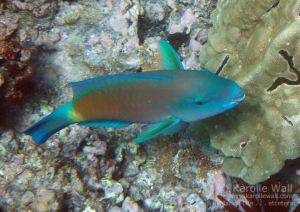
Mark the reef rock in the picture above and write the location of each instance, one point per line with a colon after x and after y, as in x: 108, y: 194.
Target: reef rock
x: 257, y: 43
x: 45, y: 201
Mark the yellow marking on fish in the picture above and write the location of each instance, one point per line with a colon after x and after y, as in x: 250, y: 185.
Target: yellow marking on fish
x: 75, y: 116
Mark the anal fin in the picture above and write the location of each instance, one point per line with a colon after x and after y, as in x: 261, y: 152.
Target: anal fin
x: 106, y: 124
x: 167, y: 127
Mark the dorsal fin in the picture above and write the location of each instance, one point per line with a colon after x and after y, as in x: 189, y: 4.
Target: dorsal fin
x: 169, y: 59
x: 82, y: 86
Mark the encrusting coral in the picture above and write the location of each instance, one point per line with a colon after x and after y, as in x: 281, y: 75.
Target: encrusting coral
x: 257, y: 44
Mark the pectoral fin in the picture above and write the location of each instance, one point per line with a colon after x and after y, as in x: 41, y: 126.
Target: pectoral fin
x: 106, y: 124
x: 168, y: 127
x: 169, y: 59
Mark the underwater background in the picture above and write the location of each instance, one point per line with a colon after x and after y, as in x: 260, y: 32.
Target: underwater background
x: 242, y: 160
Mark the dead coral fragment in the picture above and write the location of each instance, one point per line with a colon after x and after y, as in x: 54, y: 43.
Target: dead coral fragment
x: 8, y: 25
x: 257, y: 44
x: 38, y: 8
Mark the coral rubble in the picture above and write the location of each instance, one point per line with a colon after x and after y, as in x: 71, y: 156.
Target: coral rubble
x: 257, y: 43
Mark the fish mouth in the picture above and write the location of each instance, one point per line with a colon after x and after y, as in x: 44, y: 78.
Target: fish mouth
x: 239, y: 98
x: 233, y: 102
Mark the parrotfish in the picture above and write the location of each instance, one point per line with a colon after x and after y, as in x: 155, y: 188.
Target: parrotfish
x: 166, y: 99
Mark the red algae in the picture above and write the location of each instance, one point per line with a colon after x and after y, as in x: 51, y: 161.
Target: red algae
x: 15, y: 70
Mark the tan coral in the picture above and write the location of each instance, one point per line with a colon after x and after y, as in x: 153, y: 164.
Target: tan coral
x: 257, y: 43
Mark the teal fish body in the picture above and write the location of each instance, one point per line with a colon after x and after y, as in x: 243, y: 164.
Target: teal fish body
x: 165, y: 99
x: 153, y: 96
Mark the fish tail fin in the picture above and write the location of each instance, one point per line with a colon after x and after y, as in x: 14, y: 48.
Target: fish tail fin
x: 50, y: 124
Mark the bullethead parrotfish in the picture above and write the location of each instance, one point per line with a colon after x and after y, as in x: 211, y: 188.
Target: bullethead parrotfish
x: 166, y: 99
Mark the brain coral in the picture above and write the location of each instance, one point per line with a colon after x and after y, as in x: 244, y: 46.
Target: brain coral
x: 257, y: 43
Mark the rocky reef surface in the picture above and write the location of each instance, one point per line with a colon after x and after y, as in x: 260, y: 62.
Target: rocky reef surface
x: 85, y: 169
x: 88, y: 169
